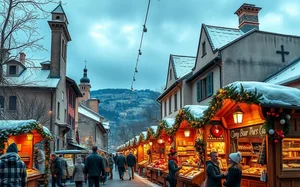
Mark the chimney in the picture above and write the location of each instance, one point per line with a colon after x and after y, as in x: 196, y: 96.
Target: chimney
x: 93, y: 104
x: 22, y: 57
x: 248, y: 17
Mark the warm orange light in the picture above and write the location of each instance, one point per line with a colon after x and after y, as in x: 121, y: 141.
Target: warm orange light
x: 29, y: 136
x: 150, y: 143
x: 238, y: 115
x: 160, y: 141
x: 187, y: 132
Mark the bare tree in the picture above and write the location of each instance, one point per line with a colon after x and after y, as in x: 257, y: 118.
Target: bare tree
x: 18, y: 30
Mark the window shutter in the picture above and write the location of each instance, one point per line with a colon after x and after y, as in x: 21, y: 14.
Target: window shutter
x: 209, y: 84
x: 199, y: 90
x: 12, y: 103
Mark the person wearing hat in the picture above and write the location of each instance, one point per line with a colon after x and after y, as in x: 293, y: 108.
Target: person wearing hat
x: 173, y: 168
x: 12, y: 168
x: 234, y: 176
x: 78, y: 172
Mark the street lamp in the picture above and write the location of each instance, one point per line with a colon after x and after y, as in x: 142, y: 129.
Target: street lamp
x: 238, y: 115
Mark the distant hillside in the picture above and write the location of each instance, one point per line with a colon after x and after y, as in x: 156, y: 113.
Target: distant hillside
x: 119, y: 105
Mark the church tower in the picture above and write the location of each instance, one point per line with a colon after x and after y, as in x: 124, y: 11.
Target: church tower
x: 60, y: 37
x: 84, y: 86
x: 248, y: 17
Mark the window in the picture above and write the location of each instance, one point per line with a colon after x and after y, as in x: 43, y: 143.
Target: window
x: 63, y: 49
x: 203, y: 48
x: 171, y: 72
x: 175, y: 102
x: 165, y: 109
x: 62, y: 96
x: 12, y: 103
x: 12, y: 70
x: 205, y: 87
x: 58, y: 110
x: 1, y: 102
x: 170, y: 105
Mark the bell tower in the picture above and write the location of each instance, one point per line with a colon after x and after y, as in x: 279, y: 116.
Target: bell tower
x: 60, y: 37
x: 84, y: 86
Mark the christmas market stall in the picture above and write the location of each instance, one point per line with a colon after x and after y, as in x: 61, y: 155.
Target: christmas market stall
x: 188, y: 142
x: 261, y: 121
x: 143, y: 154
x: 33, y: 142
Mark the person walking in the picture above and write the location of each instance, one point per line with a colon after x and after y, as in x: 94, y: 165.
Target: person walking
x: 56, y: 170
x: 78, y: 172
x: 94, y: 167
x: 106, y: 166
x: 12, y: 168
x: 39, y: 159
x: 131, y: 162
x: 214, y: 175
x: 64, y: 166
x: 121, y: 163
x: 234, y: 176
x: 173, y: 168
x: 111, y: 165
x: 115, y: 160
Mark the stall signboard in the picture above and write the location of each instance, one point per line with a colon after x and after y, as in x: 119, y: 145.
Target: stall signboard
x: 70, y: 165
x: 253, y: 131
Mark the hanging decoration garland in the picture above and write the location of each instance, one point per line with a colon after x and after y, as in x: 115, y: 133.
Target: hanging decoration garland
x: 277, y: 134
x: 200, y: 148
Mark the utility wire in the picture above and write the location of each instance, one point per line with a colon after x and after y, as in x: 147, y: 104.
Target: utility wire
x: 140, y: 47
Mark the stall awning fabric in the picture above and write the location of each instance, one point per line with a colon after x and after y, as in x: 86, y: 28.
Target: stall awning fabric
x: 18, y: 127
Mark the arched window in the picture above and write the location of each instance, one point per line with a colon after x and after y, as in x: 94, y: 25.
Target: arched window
x: 1, y: 102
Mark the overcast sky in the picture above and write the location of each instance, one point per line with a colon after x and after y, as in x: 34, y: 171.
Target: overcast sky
x: 107, y: 34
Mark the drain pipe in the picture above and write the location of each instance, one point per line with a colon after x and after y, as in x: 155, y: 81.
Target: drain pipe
x: 220, y: 67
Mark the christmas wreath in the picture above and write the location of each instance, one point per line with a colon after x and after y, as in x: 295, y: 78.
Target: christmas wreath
x: 277, y: 134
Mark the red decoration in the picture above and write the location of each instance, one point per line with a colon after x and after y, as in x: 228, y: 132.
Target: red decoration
x: 216, y: 131
x: 170, y: 139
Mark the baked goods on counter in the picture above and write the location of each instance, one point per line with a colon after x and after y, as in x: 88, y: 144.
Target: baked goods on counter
x: 253, y: 171
x: 32, y: 172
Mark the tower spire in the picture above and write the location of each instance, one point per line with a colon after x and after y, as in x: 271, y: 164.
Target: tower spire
x: 85, y: 78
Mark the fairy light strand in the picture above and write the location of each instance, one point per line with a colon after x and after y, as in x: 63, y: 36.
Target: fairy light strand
x: 140, y: 47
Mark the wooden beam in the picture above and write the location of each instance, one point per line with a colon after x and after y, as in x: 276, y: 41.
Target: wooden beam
x: 224, y: 122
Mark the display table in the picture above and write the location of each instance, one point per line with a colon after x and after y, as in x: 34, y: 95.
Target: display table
x: 192, y: 178
x: 252, y: 181
x: 32, y: 177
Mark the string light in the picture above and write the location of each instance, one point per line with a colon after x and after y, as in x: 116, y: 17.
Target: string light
x: 140, y: 47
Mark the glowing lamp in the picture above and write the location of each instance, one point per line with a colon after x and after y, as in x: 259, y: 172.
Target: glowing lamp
x: 160, y: 141
x: 187, y: 133
x: 150, y: 143
x: 29, y: 136
x: 238, y: 115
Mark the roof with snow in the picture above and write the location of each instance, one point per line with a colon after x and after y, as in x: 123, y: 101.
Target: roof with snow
x: 182, y: 65
x: 89, y: 113
x: 154, y: 128
x: 106, y: 125
x: 220, y: 36
x: 33, y: 77
x: 273, y: 95
x: 196, y: 110
x: 170, y: 121
x: 287, y: 74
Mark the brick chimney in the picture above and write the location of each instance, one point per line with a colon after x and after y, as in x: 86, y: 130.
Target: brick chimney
x: 248, y: 17
x: 22, y: 57
x: 93, y: 104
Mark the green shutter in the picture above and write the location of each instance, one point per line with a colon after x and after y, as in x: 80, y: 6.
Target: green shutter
x: 209, y: 84
x: 199, y: 90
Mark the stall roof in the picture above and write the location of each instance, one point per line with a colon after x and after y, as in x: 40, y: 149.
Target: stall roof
x: 170, y: 121
x: 196, y: 110
x: 73, y: 152
x: 154, y: 128
x: 272, y: 94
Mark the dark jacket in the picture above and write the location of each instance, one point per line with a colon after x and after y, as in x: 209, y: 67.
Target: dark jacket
x: 173, y: 168
x: 94, y: 165
x: 214, y: 175
x: 12, y: 171
x: 56, y: 168
x: 115, y: 158
x: 131, y: 160
x: 233, y: 178
x: 121, y: 161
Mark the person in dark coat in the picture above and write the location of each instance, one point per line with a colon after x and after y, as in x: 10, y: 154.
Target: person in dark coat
x: 115, y: 160
x: 234, y: 176
x: 56, y: 170
x: 214, y: 175
x: 131, y: 162
x: 12, y: 168
x: 111, y: 165
x: 121, y: 163
x: 94, y: 167
x: 173, y: 168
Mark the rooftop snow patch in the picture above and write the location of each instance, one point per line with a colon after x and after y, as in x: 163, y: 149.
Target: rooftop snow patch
x: 196, y: 110
x: 220, y: 36
x: 272, y: 94
x: 170, y: 121
x: 183, y: 65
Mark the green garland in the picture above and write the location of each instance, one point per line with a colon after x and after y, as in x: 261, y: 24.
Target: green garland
x: 200, y: 149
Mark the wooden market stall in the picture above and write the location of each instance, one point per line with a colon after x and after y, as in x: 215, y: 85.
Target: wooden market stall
x: 27, y: 134
x: 262, y: 122
x: 143, y: 154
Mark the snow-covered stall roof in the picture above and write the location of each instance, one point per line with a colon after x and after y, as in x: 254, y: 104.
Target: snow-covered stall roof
x: 169, y: 121
x: 144, y: 133
x: 131, y: 142
x: 137, y: 138
x: 272, y: 94
x: 154, y: 128
x: 287, y: 74
x: 220, y: 36
x: 34, y: 77
x: 196, y: 110
x: 183, y: 65
x: 15, y: 127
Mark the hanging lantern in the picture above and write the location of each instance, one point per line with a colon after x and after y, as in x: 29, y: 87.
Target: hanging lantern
x: 238, y: 115
x: 187, y: 132
x: 29, y: 136
x: 160, y: 141
x: 150, y: 143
